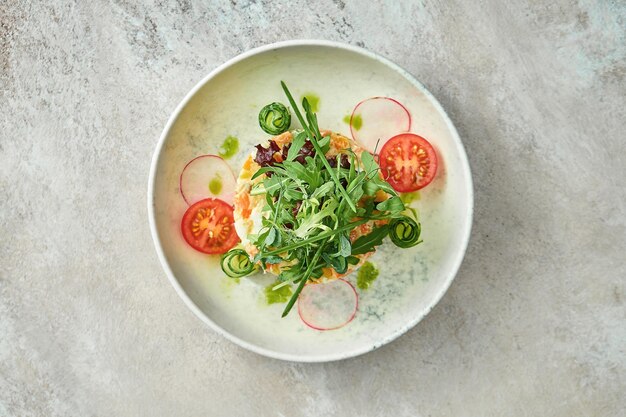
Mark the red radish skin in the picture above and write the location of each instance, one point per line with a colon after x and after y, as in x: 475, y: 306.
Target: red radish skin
x: 382, y: 118
x: 337, y: 294
x: 198, y: 173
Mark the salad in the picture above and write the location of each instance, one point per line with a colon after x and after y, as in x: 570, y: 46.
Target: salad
x: 311, y: 205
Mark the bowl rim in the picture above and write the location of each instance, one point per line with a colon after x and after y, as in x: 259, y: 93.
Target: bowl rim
x: 456, y: 264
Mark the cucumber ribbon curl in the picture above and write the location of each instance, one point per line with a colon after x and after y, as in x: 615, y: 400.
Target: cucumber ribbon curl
x: 274, y: 118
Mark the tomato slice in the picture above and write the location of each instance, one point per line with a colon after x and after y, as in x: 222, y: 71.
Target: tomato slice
x: 208, y: 226
x: 408, y: 162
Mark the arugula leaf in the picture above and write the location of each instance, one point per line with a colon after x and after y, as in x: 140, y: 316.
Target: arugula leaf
x: 324, y: 144
x: 369, y: 164
x: 290, y: 273
x: 368, y: 206
x: 370, y: 187
x: 356, y: 181
x: 274, y: 169
x: 393, y: 205
x: 272, y: 259
x: 300, y: 173
x: 327, y: 258
x: 317, y: 271
x: 323, y: 190
x: 384, y: 185
x: 375, y: 182
x: 352, y: 171
x: 270, y: 186
x: 296, y: 145
x: 345, y: 247
x: 269, y: 201
x: 293, y: 195
x: 271, y: 237
x: 357, y: 194
x: 367, y: 243
x: 339, y: 264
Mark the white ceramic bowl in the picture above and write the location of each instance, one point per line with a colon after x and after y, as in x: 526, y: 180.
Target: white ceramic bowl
x: 226, y: 102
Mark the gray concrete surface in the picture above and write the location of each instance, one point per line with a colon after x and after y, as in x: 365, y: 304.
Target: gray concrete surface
x: 534, y: 324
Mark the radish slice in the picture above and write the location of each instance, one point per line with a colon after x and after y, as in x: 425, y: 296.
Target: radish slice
x: 328, y: 306
x: 378, y: 118
x: 207, y: 176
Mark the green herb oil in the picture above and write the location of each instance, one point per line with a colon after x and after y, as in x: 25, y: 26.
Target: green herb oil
x: 281, y: 295
x: 357, y: 121
x: 366, y: 276
x: 408, y: 198
x: 229, y: 147
x: 314, y: 101
x: 215, y: 185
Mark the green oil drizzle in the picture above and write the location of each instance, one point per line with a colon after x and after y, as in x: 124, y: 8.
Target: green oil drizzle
x: 229, y: 147
x: 366, y: 276
x: 281, y: 295
x: 215, y: 185
x: 227, y: 282
x: 408, y: 198
x: 313, y: 100
x: 357, y: 121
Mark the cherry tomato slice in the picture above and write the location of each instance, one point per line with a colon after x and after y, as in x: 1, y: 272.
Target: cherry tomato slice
x: 208, y: 227
x: 408, y: 162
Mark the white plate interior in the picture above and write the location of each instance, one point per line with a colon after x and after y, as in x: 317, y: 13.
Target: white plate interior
x: 227, y: 103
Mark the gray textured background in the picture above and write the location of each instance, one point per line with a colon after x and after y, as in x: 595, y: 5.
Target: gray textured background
x: 534, y: 324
